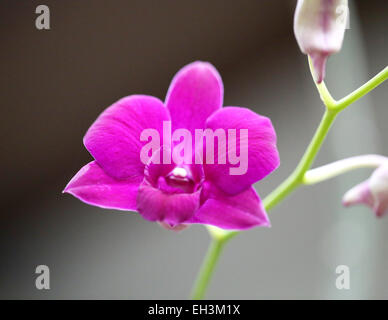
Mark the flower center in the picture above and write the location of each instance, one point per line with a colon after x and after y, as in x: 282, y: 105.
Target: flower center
x: 180, y: 178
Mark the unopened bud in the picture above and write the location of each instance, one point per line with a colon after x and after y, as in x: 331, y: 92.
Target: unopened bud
x: 319, y: 27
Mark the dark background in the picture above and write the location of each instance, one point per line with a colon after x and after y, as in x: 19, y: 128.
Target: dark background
x: 54, y: 83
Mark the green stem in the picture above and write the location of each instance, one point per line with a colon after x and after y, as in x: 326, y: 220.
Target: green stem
x: 296, y: 178
x: 293, y: 181
x: 207, y: 268
x: 363, y: 90
x: 333, y: 108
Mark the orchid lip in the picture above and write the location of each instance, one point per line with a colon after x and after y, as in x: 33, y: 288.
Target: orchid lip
x: 179, y: 180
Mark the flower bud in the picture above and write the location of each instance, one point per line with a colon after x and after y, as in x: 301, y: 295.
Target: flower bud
x: 372, y: 192
x: 319, y: 27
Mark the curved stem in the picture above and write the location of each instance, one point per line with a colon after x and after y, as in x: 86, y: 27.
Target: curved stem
x: 363, y: 90
x: 293, y: 181
x: 207, y: 268
x: 333, y: 108
x: 341, y: 104
x: 342, y: 166
x: 296, y: 178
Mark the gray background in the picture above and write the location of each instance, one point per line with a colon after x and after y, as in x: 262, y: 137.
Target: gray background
x: 55, y: 83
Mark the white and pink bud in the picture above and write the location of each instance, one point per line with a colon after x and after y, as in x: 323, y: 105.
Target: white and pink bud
x: 319, y: 27
x: 372, y: 192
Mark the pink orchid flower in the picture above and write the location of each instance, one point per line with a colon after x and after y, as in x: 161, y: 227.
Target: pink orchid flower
x: 372, y: 192
x: 176, y: 195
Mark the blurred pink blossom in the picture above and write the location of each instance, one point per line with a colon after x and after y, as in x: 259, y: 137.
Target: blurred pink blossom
x: 372, y: 192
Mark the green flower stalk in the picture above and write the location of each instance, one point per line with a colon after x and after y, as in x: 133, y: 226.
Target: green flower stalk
x: 300, y: 176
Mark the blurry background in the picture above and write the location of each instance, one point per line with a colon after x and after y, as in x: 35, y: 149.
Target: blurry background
x: 55, y: 83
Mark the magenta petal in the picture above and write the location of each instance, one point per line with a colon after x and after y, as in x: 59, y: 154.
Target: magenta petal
x: 114, y: 138
x: 93, y: 186
x: 238, y: 212
x: 257, y: 161
x: 195, y: 93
